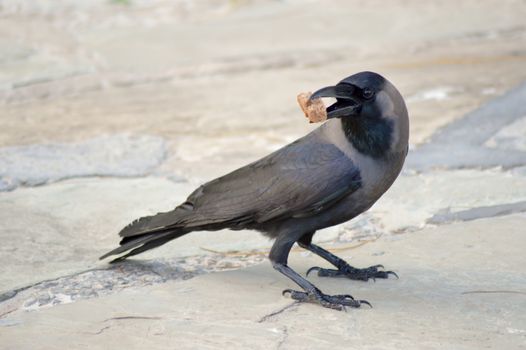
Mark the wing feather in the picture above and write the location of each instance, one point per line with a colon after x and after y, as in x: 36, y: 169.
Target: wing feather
x: 298, y: 180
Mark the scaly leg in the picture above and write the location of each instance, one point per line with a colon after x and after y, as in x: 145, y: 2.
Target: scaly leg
x: 278, y: 256
x: 343, y: 268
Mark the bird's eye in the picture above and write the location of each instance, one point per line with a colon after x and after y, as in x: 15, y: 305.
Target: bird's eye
x: 367, y: 93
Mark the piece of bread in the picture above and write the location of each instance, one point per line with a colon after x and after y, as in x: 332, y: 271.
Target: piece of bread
x: 314, y: 110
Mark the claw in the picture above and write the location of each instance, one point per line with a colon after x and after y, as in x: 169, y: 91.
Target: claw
x: 336, y: 302
x: 314, y: 268
x: 287, y: 291
x: 392, y: 273
x: 296, y: 295
x: 365, y: 274
x: 366, y: 303
x: 344, y: 296
x: 347, y: 296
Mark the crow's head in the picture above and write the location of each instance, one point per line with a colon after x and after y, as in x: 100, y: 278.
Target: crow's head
x: 364, y: 94
x: 371, y: 109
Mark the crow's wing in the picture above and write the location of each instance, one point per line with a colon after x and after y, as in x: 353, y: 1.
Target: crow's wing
x: 301, y: 179
x: 298, y: 180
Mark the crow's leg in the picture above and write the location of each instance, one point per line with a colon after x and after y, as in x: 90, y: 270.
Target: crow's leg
x: 343, y: 268
x: 279, y: 255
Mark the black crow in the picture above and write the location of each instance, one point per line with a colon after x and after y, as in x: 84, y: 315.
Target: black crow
x: 327, y: 177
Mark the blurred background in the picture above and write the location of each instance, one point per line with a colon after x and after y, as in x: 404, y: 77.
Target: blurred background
x: 218, y: 79
x: 115, y: 109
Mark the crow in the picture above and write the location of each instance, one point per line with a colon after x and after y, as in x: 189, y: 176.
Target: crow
x: 325, y: 178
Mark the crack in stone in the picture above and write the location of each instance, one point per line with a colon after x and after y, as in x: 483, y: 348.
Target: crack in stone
x: 493, y: 292
x: 7, y: 312
x: 100, y: 331
x: 445, y: 216
x: 267, y: 317
x: 14, y: 292
x: 133, y: 318
x: 108, y: 280
x: 119, y: 155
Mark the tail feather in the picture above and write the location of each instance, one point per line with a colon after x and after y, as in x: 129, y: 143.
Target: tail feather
x: 128, y: 245
x: 149, y: 224
x: 157, y: 241
x: 150, y: 232
x: 143, y: 243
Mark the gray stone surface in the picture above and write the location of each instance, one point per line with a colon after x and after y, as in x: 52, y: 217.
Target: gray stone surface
x: 446, y: 216
x: 415, y: 199
x: 511, y: 136
x: 464, y: 143
x: 446, y: 297
x: 116, y: 155
x: 98, y: 282
x: 62, y: 228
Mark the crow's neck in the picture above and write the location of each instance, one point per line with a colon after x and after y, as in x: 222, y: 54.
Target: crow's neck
x: 369, y: 136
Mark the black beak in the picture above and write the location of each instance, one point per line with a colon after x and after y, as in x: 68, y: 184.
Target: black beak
x: 346, y: 102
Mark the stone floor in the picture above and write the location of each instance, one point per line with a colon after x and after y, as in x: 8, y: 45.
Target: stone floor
x: 114, y: 109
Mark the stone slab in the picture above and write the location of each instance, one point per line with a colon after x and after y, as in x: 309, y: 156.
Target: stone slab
x: 118, y: 155
x: 461, y: 286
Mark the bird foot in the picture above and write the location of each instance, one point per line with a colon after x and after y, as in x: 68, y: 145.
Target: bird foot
x: 348, y: 271
x: 336, y: 302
